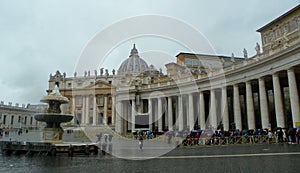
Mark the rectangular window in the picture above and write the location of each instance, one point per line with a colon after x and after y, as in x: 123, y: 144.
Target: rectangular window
x: 195, y: 62
x: 31, y: 119
x: 277, y: 33
x: 272, y: 38
x: 100, y: 100
x: 19, y: 119
x: 25, y: 121
x: 296, y: 23
x: 12, y: 120
x: 91, y: 102
x: 265, y: 39
x: 4, y: 119
x: 286, y: 28
x: 78, y: 118
x: 188, y: 62
x: 78, y: 101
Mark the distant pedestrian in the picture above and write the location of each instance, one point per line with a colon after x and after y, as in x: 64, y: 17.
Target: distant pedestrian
x: 141, y: 142
x: 298, y: 136
x: 99, y: 136
x: 292, y: 135
x: 280, y: 136
x: 110, y: 137
x: 270, y: 136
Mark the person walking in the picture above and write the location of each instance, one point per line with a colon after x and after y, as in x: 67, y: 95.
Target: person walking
x: 270, y: 136
x: 141, y: 142
x: 280, y: 136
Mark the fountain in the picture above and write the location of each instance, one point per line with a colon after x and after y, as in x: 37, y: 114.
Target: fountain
x: 52, y: 141
x: 53, y: 131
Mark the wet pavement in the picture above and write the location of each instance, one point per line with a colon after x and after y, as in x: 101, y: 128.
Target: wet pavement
x: 235, y: 158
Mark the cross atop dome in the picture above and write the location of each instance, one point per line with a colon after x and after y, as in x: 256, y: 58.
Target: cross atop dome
x: 134, y: 51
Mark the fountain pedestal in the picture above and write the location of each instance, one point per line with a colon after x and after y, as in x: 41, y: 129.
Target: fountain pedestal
x: 53, y: 135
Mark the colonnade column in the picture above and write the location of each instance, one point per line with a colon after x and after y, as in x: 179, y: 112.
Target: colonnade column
x: 133, y: 114
x: 180, y: 113
x: 150, y: 114
x: 237, y: 107
x: 250, y: 106
x: 94, y: 111
x: 278, y: 101
x: 201, y: 120
x: 213, y: 110
x: 170, y: 114
x: 264, y: 111
x: 294, y: 97
x: 119, y: 123
x: 113, y: 110
x: 126, y: 118
x: 159, y: 114
x: 191, y: 112
x: 224, y: 107
x: 165, y: 111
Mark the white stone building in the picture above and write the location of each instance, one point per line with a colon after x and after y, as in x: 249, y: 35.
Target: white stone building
x: 19, y: 116
x: 261, y: 91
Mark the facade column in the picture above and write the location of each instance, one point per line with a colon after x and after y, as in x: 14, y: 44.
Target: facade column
x: 250, y: 106
x: 117, y: 122
x: 74, y: 110
x: 213, y: 110
x: 191, y: 112
x: 133, y: 114
x: 264, y: 111
x: 294, y: 97
x: 170, y: 114
x: 237, y: 107
x: 165, y: 111
x: 201, y: 120
x: 94, y: 111
x: 119, y: 116
x: 150, y: 114
x: 180, y: 115
x: 105, y: 110
x: 159, y: 114
x: 278, y: 101
x: 224, y: 107
x: 83, y: 115
x: 87, y: 108
x: 113, y: 110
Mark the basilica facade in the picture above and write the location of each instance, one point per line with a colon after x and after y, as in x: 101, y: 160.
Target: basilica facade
x: 198, y: 90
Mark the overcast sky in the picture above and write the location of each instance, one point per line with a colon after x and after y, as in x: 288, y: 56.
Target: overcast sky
x: 39, y: 37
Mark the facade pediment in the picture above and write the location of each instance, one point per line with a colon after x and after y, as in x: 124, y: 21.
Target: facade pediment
x: 99, y: 85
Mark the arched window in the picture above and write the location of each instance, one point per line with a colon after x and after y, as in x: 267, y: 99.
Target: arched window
x: 57, y: 83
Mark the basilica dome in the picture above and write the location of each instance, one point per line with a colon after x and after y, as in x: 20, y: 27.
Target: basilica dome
x: 133, y: 65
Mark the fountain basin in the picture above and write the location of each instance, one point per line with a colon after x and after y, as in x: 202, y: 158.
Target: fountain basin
x: 53, y: 117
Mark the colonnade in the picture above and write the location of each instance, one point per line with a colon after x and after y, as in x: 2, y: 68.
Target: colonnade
x: 251, y: 104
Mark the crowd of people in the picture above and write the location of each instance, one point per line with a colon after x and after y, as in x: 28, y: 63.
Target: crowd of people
x: 210, y: 137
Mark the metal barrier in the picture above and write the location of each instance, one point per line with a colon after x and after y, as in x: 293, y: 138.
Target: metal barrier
x: 232, y: 140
